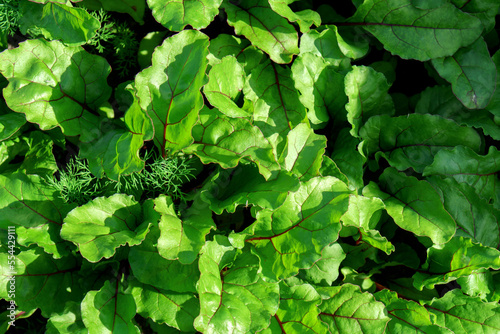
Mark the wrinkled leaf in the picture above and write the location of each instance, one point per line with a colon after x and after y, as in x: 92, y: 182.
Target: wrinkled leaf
x: 326, y: 270
x: 305, y: 18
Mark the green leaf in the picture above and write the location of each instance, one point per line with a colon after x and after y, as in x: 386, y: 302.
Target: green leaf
x: 305, y: 18
x: 293, y: 236
x: 175, y: 15
x: 475, y: 218
x: 471, y: 73
x: 226, y: 80
x: 227, y: 189
x: 277, y: 108
x: 414, y: 33
x: 439, y: 100
x: 465, y: 166
x: 39, y: 158
x: 175, y: 309
x: 36, y: 211
x: 169, y: 90
x: 408, y: 316
x: 40, y: 281
x: 414, y: 205
x: 234, y: 300
x: 149, y: 267
x: 414, y: 140
x: 348, y: 310
x: 68, y: 321
x: 348, y: 159
x: 326, y: 270
x: 298, y: 311
x: 117, y: 152
x: 109, y: 310
x: 459, y: 257
x: 367, y: 91
x: 494, y: 106
x: 227, y: 45
x: 135, y: 8
x: 478, y: 284
x: 226, y: 141
x: 304, y: 153
x: 73, y: 26
x: 485, y: 10
x: 320, y: 86
x: 10, y: 125
x: 264, y: 28
x: 56, y: 85
x: 182, y: 237
x: 463, y: 314
x: 99, y: 227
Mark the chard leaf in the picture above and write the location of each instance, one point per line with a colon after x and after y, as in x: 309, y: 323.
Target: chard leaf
x: 235, y: 299
x: 149, y: 267
x: 478, y: 284
x: 277, y: 108
x: 99, y: 227
x: 264, y: 28
x: 135, y: 8
x: 485, y: 10
x: 41, y: 281
x: 116, y: 152
x: 367, y: 91
x: 10, y: 125
x: 225, y: 85
x: 304, y: 153
x: 414, y: 205
x: 73, y: 26
x: 109, y: 310
x: 227, y: 45
x: 175, y: 15
x: 471, y: 73
x: 175, y: 309
x: 226, y: 141
x: 459, y: 257
x: 463, y: 314
x: 298, y: 311
x: 67, y: 322
x: 227, y: 189
x: 408, y: 316
x: 414, y: 33
x: 348, y: 310
x: 320, y: 86
x: 36, y: 210
x: 348, y: 159
x: 182, y: 237
x: 169, y: 90
x: 475, y: 218
x: 326, y: 270
x: 465, y: 166
x: 56, y: 85
x: 293, y: 236
x: 439, y: 100
x: 414, y: 140
x: 305, y: 18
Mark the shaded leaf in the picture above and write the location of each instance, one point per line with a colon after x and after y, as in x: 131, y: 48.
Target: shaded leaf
x: 414, y: 205
x: 109, y: 310
x: 293, y: 236
x: 485, y: 10
x: 169, y: 91
x: 459, y: 257
x: 135, y: 8
x: 175, y: 15
x: 264, y: 28
x: 348, y: 158
x: 67, y: 322
x: 414, y: 140
x: 73, y: 26
x: 471, y: 73
x: 99, y: 227
x: 10, y: 124
x: 414, y: 33
x: 56, y: 85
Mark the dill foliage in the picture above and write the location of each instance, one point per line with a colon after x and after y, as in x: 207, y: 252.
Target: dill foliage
x: 9, y: 16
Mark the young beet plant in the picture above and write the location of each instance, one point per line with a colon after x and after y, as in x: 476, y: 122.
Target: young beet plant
x: 313, y: 167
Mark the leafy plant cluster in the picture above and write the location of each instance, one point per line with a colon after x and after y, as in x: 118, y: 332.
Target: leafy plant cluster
x: 342, y: 170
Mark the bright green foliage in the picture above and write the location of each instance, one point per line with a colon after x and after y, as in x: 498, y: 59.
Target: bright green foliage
x: 251, y: 166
